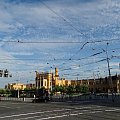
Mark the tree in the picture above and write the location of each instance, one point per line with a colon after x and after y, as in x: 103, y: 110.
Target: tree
x: 56, y: 89
x: 33, y: 88
x: 69, y: 89
x: 77, y: 88
x: 26, y: 89
x: 62, y: 89
x: 8, y: 91
x: 2, y: 91
x: 84, y: 89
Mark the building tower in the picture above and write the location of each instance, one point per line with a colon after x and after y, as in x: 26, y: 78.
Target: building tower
x: 56, y: 76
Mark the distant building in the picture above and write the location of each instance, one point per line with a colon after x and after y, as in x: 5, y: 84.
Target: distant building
x: 50, y: 80
x: 30, y: 86
x: 15, y: 86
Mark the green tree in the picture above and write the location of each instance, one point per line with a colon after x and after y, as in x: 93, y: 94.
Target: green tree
x: 84, y: 89
x: 7, y: 91
x: 2, y: 91
x: 33, y: 88
x: 56, y: 89
x: 26, y: 89
x: 77, y: 88
x: 62, y: 89
x: 69, y: 89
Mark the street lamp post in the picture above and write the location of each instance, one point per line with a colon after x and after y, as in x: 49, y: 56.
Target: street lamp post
x: 17, y: 89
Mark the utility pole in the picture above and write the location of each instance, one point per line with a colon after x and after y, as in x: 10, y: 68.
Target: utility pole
x: 94, y: 83
x: 51, y: 77
x: 110, y: 79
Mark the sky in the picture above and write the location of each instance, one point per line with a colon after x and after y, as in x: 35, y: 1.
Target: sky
x: 76, y: 36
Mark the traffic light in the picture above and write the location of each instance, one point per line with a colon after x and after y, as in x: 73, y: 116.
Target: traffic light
x: 1, y: 73
x: 6, y: 73
x: 10, y: 75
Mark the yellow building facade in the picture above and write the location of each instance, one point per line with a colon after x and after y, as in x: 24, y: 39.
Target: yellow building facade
x: 50, y: 80
x: 16, y: 86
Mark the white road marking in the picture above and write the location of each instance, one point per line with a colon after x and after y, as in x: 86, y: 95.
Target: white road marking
x: 112, y: 110
x: 32, y: 113
x: 59, y: 116
x: 61, y: 110
x: 53, y: 117
x: 71, y: 112
x: 85, y: 110
x: 82, y: 108
x: 98, y: 109
x: 95, y: 111
x: 37, y: 116
x: 27, y: 118
x: 5, y: 106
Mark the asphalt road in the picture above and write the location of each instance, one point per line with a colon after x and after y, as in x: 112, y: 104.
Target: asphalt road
x: 54, y: 111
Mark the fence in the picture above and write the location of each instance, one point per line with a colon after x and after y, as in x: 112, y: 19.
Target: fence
x: 98, y: 97
x: 16, y: 99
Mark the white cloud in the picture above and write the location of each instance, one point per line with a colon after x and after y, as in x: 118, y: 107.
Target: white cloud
x: 6, y: 27
x: 20, y: 53
x: 35, y: 22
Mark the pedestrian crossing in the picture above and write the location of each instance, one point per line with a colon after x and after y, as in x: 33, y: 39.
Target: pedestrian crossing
x: 63, y: 113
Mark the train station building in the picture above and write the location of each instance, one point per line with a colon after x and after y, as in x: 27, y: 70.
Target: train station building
x: 102, y: 85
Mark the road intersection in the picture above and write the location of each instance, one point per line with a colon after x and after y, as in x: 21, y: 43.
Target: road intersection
x: 50, y: 111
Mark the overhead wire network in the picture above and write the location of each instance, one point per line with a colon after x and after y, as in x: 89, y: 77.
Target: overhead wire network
x: 67, y: 59
x: 58, y: 42
x: 65, y: 42
x: 94, y: 61
x: 75, y: 59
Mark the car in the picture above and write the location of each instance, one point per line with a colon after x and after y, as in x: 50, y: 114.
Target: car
x: 41, y: 99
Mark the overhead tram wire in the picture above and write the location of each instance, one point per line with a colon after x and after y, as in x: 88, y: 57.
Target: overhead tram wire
x: 66, y: 69
x: 64, y: 19
x: 54, y: 58
x: 85, y: 43
x: 67, y: 59
x: 58, y: 59
x: 59, y: 42
x: 93, y: 54
x: 22, y: 64
x: 88, y: 56
x: 62, y: 42
x: 98, y: 60
x: 90, y: 63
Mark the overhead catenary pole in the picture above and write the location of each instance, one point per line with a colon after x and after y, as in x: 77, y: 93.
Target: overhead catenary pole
x: 110, y: 79
x: 51, y: 77
x: 94, y: 83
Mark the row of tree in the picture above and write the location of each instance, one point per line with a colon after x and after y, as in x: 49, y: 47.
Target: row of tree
x: 4, y: 92
x: 61, y: 89
x: 70, y: 89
